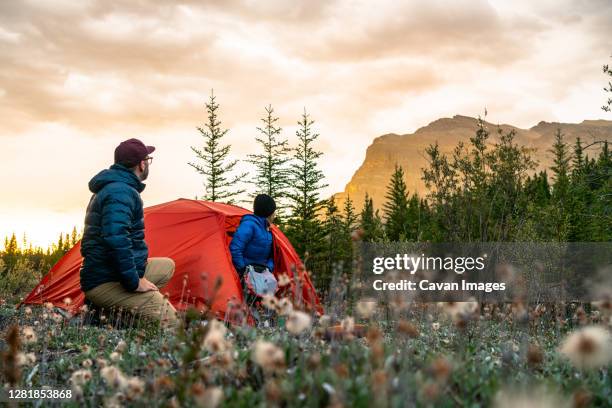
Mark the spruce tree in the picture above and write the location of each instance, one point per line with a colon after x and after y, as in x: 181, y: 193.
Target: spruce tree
x: 396, y: 207
x: 306, y: 181
x: 334, y: 251
x: 271, y: 170
x: 561, y: 166
x: 216, y: 166
x: 350, y: 223
x: 74, y: 237
x: 11, y: 252
x: 578, y: 161
x: 349, y: 219
x: 370, y: 221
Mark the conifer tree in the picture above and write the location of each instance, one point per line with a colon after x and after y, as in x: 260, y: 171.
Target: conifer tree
x: 349, y: 220
x: 271, y: 170
x: 396, y: 207
x: 216, y: 166
x: 334, y: 250
x: 350, y: 223
x: 11, y: 251
x: 413, y: 218
x: 370, y: 221
x: 578, y: 161
x: 306, y: 181
x: 561, y: 166
x: 74, y: 237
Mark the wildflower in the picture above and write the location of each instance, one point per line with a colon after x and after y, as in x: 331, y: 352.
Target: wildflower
x: 582, y: 398
x: 435, y: 326
x: 23, y: 359
x: 87, y: 363
x: 121, y: 346
x: 49, y: 305
x: 135, y: 387
x: 459, y: 310
x: 270, y: 302
x: 114, y: 356
x: 324, y: 321
x: 273, y: 392
x: 297, y: 322
x: 83, y: 309
x: 206, y: 397
x: 535, y: 356
x: 589, y: 347
x: 430, y: 391
x: 67, y: 301
x: 86, y: 349
x: 408, y: 329
x: 116, y: 401
x: 57, y: 318
x: 163, y: 383
x: 28, y: 335
x: 581, y: 316
x: 441, y: 368
x: 268, y: 356
x: 30, y: 358
x: 366, y: 307
x: 80, y: 377
x: 285, y: 307
x: 341, y: 370
x: 519, y: 311
x: 347, y: 324
x: 529, y: 399
x: 113, y: 377
x: 314, y: 361
x: 379, y: 380
x: 28, y: 311
x: 605, y: 304
x: 284, y: 280
x: 215, y: 341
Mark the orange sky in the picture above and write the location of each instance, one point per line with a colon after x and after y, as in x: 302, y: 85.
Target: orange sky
x: 77, y: 77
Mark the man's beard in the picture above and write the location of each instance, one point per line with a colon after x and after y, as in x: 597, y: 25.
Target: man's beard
x: 145, y: 173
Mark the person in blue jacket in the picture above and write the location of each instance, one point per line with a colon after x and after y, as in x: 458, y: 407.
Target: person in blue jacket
x: 252, y: 241
x: 117, y: 271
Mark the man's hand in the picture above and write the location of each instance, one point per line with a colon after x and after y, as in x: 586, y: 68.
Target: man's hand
x: 145, y: 285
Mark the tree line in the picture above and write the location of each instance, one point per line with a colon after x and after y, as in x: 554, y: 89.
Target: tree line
x: 21, y: 250
x: 484, y: 191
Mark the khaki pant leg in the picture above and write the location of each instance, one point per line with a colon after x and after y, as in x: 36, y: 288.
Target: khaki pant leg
x: 151, y: 305
x: 159, y: 271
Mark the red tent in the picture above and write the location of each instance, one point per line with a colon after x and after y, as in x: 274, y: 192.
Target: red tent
x: 196, y: 235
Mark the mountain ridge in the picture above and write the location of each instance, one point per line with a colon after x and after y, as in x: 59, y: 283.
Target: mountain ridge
x: 408, y: 150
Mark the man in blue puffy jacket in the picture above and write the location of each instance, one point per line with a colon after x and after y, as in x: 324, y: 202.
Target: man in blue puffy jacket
x: 252, y: 241
x: 116, y: 271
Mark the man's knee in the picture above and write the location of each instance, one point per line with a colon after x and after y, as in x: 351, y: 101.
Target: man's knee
x: 171, y: 265
x: 167, y: 266
x: 160, y: 270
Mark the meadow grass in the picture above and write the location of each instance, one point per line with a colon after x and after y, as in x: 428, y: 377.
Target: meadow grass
x: 452, y: 354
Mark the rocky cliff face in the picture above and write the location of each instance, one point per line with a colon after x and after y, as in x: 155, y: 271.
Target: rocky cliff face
x: 409, y: 151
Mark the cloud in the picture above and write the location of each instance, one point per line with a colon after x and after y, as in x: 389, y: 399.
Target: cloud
x: 91, y: 73
x: 455, y: 31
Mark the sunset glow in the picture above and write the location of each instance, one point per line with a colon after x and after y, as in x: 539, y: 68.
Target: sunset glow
x: 76, y: 78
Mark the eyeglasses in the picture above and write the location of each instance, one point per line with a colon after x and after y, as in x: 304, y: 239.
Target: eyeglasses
x: 148, y: 159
